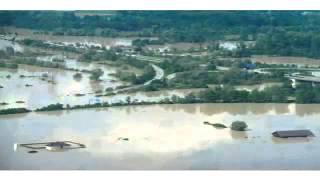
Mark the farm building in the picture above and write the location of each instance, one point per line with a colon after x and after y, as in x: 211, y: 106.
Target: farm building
x: 293, y: 133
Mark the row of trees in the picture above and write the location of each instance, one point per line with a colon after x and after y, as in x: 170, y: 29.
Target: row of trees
x: 234, y: 76
x: 181, y: 26
x: 14, y: 111
x: 288, y: 43
x: 304, y: 93
x: 286, y: 33
x: 8, y: 65
x: 33, y: 61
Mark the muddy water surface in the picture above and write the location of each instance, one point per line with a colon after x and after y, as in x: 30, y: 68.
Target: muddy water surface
x: 36, y: 93
x: 41, y: 92
x: 72, y: 40
x: 165, y: 137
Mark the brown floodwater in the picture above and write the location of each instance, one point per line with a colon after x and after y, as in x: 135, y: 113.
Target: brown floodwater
x: 42, y: 93
x: 165, y: 137
x: 71, y: 40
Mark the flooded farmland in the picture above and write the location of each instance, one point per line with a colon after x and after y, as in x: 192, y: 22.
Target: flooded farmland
x: 165, y: 137
x: 35, y: 92
x: 72, y: 40
x: 299, y: 61
x: 127, y: 134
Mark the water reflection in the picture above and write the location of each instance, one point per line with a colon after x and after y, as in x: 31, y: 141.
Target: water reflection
x: 42, y: 91
x: 238, y: 108
x: 277, y: 140
x: 238, y: 134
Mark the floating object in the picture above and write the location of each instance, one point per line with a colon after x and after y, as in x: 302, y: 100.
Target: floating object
x: 54, y: 146
x: 293, y: 133
x: 123, y: 139
x: 216, y: 125
x: 15, y: 147
x: 51, y: 146
x: 19, y: 102
x: 79, y: 94
x: 3, y: 103
x: 32, y: 152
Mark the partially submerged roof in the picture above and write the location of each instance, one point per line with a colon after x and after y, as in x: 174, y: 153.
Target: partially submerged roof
x: 293, y: 133
x: 58, y: 145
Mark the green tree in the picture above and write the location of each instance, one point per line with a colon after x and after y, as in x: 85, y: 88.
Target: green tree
x: 239, y: 126
x: 96, y: 74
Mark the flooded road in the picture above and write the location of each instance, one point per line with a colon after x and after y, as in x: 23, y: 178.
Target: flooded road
x: 165, y: 137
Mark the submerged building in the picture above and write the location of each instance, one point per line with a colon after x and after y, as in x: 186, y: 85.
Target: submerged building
x: 293, y: 133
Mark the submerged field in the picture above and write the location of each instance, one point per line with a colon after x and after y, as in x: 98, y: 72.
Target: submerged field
x: 76, y: 77
x: 165, y: 137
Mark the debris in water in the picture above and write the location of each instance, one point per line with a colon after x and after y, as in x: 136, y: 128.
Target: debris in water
x: 123, y: 139
x: 54, y: 146
x: 32, y: 152
x: 79, y: 94
x: 216, y: 125
x: 3, y: 103
x: 51, y: 146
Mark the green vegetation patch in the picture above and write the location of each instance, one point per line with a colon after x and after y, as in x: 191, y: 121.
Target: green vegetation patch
x: 8, y: 65
x: 96, y: 74
x: 14, y: 111
x: 239, y: 126
x: 77, y: 76
x: 35, y: 62
x: 216, y: 125
x: 51, y: 107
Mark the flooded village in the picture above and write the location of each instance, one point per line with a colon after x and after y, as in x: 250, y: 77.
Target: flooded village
x: 133, y: 101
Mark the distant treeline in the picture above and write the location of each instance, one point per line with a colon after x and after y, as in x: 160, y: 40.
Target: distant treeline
x: 289, y: 33
x: 176, y: 25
